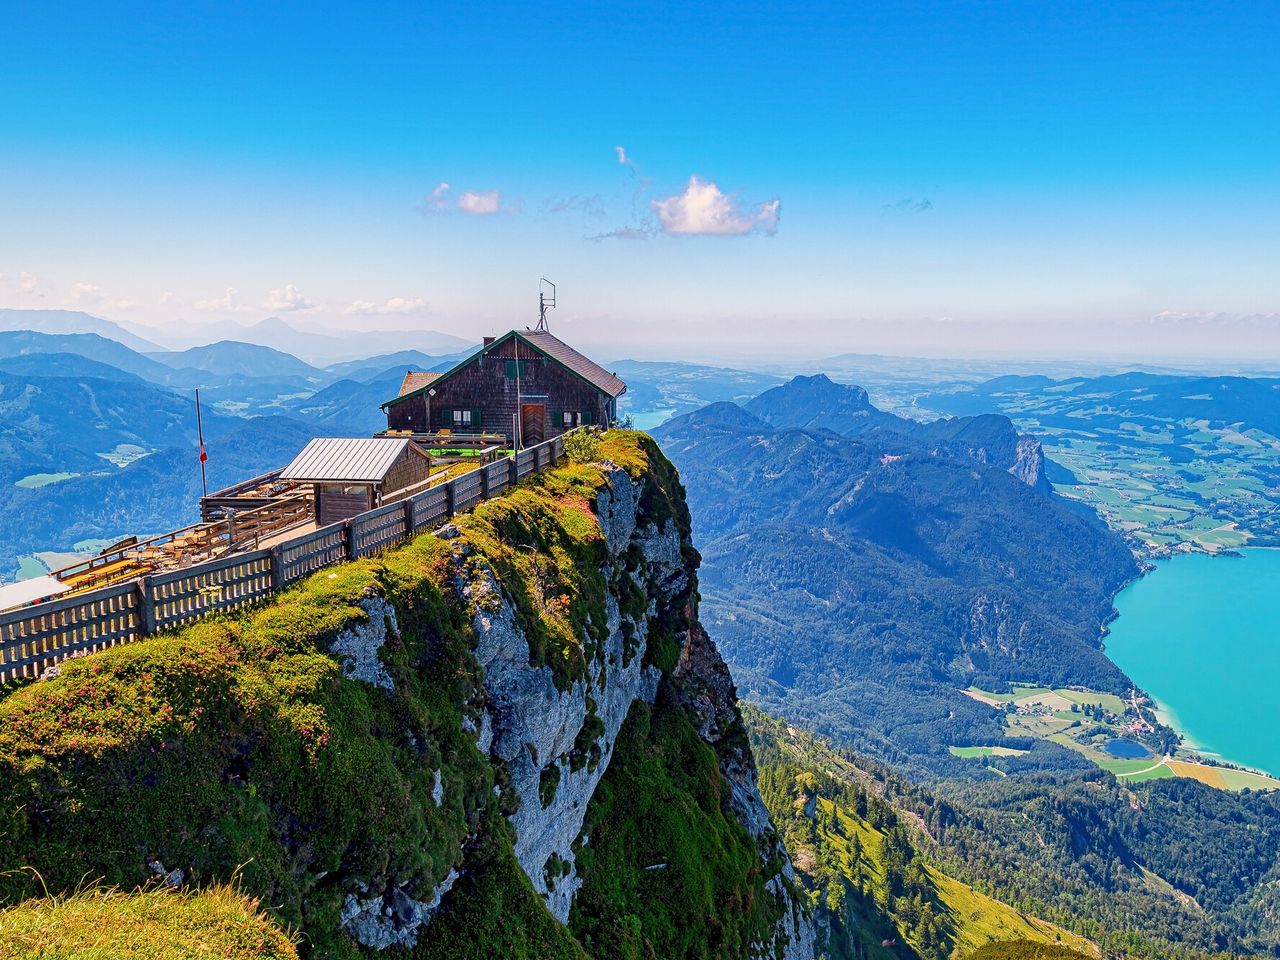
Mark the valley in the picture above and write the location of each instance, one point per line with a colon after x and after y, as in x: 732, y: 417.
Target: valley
x: 1176, y: 462
x: 1122, y: 736
x: 927, y: 597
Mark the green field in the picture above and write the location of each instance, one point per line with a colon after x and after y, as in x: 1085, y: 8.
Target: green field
x: 1036, y: 716
x: 124, y: 454
x: 33, y: 480
x: 29, y: 567
x: 970, y: 752
x: 973, y: 918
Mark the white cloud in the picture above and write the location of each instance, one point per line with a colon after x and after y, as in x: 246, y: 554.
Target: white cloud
x: 227, y: 303
x: 472, y: 202
x: 28, y: 284
x: 287, y: 298
x: 622, y: 233
x: 480, y: 204
x: 438, y: 200
x: 622, y: 156
x: 396, y: 305
x: 702, y: 209
x: 1215, y: 318
x: 91, y: 295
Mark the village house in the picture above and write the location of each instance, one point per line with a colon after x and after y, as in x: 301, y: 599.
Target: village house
x: 350, y: 475
x: 526, y: 383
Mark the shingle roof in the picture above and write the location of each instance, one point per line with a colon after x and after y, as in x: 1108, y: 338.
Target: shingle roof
x: 540, y: 340
x: 416, y: 380
x: 353, y: 459
x: 588, y: 369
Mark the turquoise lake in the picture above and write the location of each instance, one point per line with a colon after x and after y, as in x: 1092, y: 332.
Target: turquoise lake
x: 1202, y: 635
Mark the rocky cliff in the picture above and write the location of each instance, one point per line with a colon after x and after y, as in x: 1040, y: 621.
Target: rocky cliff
x: 509, y: 738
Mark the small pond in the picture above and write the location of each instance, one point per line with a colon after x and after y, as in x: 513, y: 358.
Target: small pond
x: 1128, y: 750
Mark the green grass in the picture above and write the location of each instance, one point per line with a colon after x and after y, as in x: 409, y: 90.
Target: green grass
x: 29, y: 567
x: 235, y: 748
x: 154, y: 924
x: 1027, y: 950
x: 970, y: 752
x: 1242, y: 779
x: 1108, y: 701
x: 667, y: 871
x: 34, y: 480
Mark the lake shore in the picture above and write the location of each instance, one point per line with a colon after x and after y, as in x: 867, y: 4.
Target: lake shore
x: 1196, y: 634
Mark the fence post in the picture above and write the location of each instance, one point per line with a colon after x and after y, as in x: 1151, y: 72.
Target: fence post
x: 484, y: 482
x: 408, y: 517
x: 277, y: 569
x: 450, y: 501
x: 513, y: 471
x: 146, y: 606
x: 349, y: 536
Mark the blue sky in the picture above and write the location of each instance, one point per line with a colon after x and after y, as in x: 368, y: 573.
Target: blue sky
x: 913, y: 178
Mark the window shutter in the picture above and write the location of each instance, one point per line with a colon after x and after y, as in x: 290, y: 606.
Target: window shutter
x: 510, y: 367
x: 475, y: 420
x: 584, y: 418
x: 446, y: 418
x: 557, y: 418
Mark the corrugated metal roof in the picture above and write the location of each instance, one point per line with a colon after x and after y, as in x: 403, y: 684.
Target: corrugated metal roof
x: 416, y: 380
x: 27, y: 591
x: 353, y: 459
x: 588, y: 369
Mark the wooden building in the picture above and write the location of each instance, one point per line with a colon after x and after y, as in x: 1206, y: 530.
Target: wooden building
x: 526, y: 383
x: 352, y: 475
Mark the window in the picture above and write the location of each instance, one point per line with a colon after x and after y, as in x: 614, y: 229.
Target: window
x: 570, y: 418
x: 463, y: 419
x: 515, y: 368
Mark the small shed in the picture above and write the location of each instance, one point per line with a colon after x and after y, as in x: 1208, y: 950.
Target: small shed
x: 354, y: 474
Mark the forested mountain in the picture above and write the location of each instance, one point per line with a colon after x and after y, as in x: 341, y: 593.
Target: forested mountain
x: 856, y: 584
x: 72, y: 322
x: 816, y: 402
x: 86, y: 458
x: 234, y: 358
x: 19, y: 343
x: 1164, y: 868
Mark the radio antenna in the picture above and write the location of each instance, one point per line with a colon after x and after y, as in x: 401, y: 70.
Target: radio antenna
x: 545, y: 303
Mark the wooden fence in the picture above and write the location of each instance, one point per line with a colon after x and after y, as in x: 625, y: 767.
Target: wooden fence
x: 37, y: 637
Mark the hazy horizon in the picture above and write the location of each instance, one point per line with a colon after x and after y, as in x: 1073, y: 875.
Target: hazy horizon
x: 1008, y: 180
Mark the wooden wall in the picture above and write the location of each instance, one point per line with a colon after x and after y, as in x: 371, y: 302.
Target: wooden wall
x: 483, y: 386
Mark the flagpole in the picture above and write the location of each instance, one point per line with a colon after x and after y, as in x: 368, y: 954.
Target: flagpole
x: 204, y: 486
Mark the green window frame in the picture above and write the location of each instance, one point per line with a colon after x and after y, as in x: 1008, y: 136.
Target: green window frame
x: 514, y: 368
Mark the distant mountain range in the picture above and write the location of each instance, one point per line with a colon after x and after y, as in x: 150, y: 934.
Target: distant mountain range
x: 234, y: 358
x: 314, y: 347
x: 73, y: 321
x: 857, y: 583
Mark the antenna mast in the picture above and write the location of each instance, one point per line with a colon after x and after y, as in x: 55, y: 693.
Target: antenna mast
x: 545, y: 303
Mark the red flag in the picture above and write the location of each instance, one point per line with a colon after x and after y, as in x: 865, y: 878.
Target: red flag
x: 203, y: 456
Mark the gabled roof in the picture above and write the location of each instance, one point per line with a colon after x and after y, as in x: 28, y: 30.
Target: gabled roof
x: 415, y: 380
x: 541, y: 341
x: 351, y: 459
x: 584, y: 367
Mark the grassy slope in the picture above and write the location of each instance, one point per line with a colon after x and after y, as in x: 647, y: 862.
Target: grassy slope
x: 235, y: 747
x: 156, y: 924
x: 659, y: 847
x: 970, y: 919
x: 855, y: 851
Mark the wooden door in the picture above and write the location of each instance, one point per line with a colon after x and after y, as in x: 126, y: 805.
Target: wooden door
x: 533, y: 423
x: 336, y: 502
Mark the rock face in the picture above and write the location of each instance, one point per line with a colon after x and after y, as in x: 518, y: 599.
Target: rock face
x: 705, y: 688
x: 536, y: 726
x: 556, y: 743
